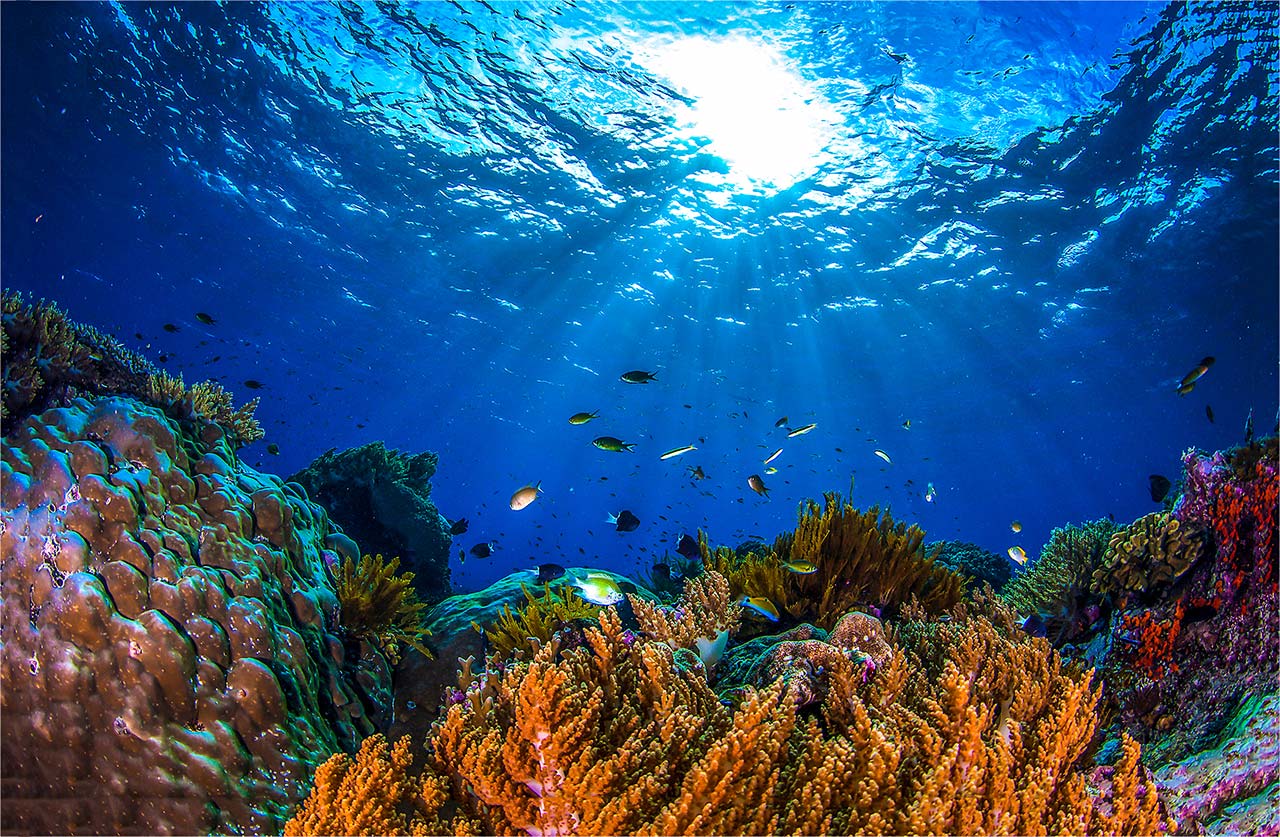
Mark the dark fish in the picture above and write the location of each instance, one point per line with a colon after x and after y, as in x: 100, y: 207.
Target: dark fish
x: 548, y: 573
x: 1248, y: 428
x: 780, y: 422
x: 1188, y: 382
x: 170, y: 327
x: 273, y: 449
x: 1159, y: 487
x: 661, y: 573
x: 1035, y: 626
x: 482, y: 550
x: 625, y: 521
x: 1208, y: 411
x: 638, y: 377
x: 688, y: 547
x: 204, y: 318
x: 252, y: 384
x: 458, y: 527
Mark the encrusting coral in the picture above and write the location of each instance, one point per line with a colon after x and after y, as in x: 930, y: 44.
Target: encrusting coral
x: 969, y: 727
x: 377, y: 604
x: 522, y: 629
x: 1152, y: 551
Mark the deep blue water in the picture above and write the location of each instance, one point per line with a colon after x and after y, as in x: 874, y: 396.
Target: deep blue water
x: 451, y: 226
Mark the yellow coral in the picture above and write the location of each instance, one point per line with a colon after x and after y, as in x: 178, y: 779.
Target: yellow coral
x: 378, y: 605
x: 1153, y: 550
x: 533, y: 623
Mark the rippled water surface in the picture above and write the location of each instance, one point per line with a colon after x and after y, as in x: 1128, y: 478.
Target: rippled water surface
x: 451, y: 226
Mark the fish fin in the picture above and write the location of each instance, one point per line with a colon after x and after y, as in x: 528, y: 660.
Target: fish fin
x: 612, y: 518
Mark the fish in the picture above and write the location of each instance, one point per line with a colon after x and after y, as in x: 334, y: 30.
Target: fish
x: 771, y: 470
x: 930, y: 494
x: 204, y: 318
x: 273, y: 449
x: 582, y: 418
x: 624, y: 521
x: 906, y: 425
x: 599, y: 589
x: 773, y: 456
x: 761, y: 605
x: 711, y: 649
x: 800, y: 567
x: 800, y: 431
x: 697, y: 473
x: 1159, y: 486
x: 882, y: 455
x: 1035, y: 625
x: 611, y: 444
x: 1016, y: 526
x: 757, y: 485
x: 638, y: 377
x: 483, y: 550
x: 780, y: 422
x: 252, y: 384
x: 522, y: 498
x: 171, y: 328
x: 1248, y: 428
x: 674, y: 452
x: 1189, y: 380
x: 661, y: 573
x: 458, y: 526
x: 688, y: 546
x: 1208, y: 411
x: 547, y: 573
x: 1018, y: 554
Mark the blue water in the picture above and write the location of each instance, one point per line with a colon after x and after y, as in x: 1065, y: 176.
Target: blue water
x: 451, y: 226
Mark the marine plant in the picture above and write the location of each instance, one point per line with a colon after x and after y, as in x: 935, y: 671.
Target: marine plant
x: 1151, y: 552
x: 522, y: 630
x: 381, y: 606
x: 614, y: 737
x: 1051, y: 586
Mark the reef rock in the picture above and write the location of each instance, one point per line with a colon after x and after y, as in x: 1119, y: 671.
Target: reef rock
x: 974, y: 561
x: 382, y: 499
x: 171, y: 659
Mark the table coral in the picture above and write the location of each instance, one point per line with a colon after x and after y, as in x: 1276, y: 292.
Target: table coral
x: 170, y: 655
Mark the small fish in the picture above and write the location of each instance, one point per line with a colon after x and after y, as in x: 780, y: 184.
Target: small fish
x: 757, y: 485
x: 800, y: 567
x: 599, y: 589
x: 611, y: 444
x: 252, y: 384
x: 1248, y: 428
x: 661, y: 573
x: 1208, y: 411
x: 761, y: 605
x: 930, y: 494
x: 204, y: 318
x: 1035, y: 626
x: 771, y: 470
x: 547, y: 573
x: 624, y: 521
x: 688, y: 546
x: 906, y: 425
x: 638, y: 377
x: 800, y: 431
x: 1159, y: 486
x: 1016, y: 526
x: 674, y: 452
x: 483, y: 550
x: 780, y: 422
x: 458, y: 526
x: 171, y: 328
x: 582, y: 418
x: 1018, y: 554
x: 1189, y: 380
x: 522, y: 498
x: 773, y: 456
x: 697, y: 473
x: 882, y: 455
x: 273, y: 449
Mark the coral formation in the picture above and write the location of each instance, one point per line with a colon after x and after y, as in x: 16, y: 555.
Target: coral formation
x: 377, y: 604
x: 382, y: 499
x: 1052, y: 585
x: 1153, y: 551
x: 702, y: 619
x: 973, y: 561
x: 48, y: 360
x: 522, y: 630
x: 170, y: 655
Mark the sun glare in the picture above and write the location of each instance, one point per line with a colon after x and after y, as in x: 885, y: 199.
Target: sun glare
x: 766, y: 122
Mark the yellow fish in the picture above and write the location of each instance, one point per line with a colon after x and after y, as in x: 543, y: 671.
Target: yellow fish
x: 773, y: 456
x: 677, y: 452
x: 522, y: 498
x: 800, y: 431
x: 800, y: 567
x: 906, y: 425
x: 582, y: 418
x: 1189, y: 380
x: 771, y: 470
x: 760, y: 605
x: 1016, y: 526
x: 882, y: 455
x: 599, y: 589
x: 1018, y: 554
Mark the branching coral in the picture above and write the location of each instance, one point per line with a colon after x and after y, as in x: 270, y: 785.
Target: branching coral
x: 379, y: 605
x: 703, y: 619
x: 1065, y: 566
x: 534, y: 623
x: 206, y: 401
x: 1151, y: 552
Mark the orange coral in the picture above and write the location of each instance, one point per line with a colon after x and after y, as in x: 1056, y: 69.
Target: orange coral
x: 703, y: 618
x: 1155, y: 640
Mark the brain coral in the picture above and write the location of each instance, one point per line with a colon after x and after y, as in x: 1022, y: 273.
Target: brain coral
x: 169, y: 658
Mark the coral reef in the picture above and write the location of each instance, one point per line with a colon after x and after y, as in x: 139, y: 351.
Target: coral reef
x: 170, y: 653
x: 48, y: 360
x: 523, y: 629
x: 1053, y: 584
x: 382, y: 499
x: 1151, y: 552
x: 377, y: 604
x: 702, y: 619
x: 973, y: 561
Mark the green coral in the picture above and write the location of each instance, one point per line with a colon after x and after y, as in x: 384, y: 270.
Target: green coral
x: 1152, y: 551
x: 381, y: 606
x: 1065, y: 566
x: 534, y: 623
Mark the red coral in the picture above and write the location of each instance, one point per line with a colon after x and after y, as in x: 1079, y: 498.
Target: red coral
x: 1155, y: 640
